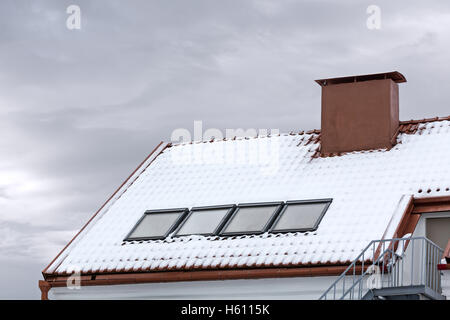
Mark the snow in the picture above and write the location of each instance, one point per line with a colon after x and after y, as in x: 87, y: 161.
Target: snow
x: 370, y: 191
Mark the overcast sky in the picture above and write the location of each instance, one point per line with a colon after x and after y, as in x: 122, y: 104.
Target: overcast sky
x: 79, y: 109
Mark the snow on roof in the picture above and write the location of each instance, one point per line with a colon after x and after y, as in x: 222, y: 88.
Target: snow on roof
x: 370, y: 191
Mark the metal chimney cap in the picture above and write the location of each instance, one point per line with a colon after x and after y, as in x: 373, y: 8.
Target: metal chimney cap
x: 393, y: 75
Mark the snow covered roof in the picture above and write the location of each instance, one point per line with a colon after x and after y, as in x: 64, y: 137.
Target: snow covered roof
x: 370, y: 192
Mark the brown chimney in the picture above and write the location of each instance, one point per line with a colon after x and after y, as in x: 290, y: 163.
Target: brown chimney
x: 359, y: 112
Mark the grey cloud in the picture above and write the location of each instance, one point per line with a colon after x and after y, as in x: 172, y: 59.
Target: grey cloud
x: 80, y: 109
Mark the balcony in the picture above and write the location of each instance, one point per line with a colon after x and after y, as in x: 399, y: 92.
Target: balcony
x: 392, y: 269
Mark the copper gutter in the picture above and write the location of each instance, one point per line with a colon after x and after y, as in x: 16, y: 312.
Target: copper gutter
x: 202, y: 275
x: 44, y: 286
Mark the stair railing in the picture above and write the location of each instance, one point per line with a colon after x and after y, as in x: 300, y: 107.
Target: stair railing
x: 388, y: 263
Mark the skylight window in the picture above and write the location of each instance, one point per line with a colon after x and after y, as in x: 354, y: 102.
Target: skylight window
x: 204, y: 220
x: 231, y: 220
x: 251, y: 218
x: 301, y: 216
x: 157, y: 224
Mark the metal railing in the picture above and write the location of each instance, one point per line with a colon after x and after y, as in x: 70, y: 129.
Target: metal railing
x: 389, y: 263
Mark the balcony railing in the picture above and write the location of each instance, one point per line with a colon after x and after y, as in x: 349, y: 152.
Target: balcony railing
x: 403, y: 263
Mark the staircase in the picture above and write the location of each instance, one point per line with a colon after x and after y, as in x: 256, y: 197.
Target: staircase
x: 391, y: 269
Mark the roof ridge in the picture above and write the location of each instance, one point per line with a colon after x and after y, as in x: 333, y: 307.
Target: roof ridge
x: 269, y: 135
x: 403, y: 128
x: 425, y: 120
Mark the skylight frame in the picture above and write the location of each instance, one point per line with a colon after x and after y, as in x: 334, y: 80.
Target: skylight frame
x: 294, y: 202
x: 231, y: 208
x: 183, y: 212
x: 279, y: 205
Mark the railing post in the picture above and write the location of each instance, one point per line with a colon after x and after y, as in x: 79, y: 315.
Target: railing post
x: 423, y: 263
x: 412, y: 261
x: 427, y: 274
x: 343, y: 286
x: 435, y: 269
x: 353, y: 279
x: 432, y: 268
x: 382, y: 256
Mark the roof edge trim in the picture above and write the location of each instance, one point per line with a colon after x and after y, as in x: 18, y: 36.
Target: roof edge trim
x: 200, y: 275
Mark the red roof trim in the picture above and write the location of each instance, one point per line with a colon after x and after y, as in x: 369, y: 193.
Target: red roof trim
x: 431, y: 204
x: 227, y: 267
x: 201, y: 275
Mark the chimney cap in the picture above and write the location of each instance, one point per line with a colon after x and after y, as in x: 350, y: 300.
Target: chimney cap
x: 394, y: 76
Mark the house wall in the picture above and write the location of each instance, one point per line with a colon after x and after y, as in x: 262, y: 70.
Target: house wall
x: 274, y: 288
x: 421, y: 231
x: 445, y: 276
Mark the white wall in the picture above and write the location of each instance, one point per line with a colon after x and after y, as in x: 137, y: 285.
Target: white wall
x: 445, y: 283
x: 276, y: 288
x: 421, y: 231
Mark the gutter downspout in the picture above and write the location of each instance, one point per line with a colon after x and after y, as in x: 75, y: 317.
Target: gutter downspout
x: 45, y: 287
